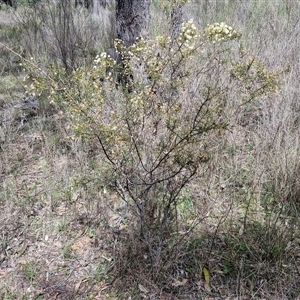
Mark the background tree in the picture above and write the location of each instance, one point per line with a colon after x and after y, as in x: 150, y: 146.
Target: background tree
x: 132, y: 19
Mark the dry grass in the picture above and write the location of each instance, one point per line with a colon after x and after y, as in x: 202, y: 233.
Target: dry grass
x: 64, y: 235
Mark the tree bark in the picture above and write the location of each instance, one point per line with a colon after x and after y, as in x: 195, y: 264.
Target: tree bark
x: 176, y: 20
x: 132, y: 18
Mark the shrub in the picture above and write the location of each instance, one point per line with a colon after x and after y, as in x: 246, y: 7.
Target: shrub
x: 156, y: 118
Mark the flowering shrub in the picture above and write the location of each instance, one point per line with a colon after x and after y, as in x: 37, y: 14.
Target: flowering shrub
x: 152, y: 116
x: 188, y: 36
x: 221, y: 31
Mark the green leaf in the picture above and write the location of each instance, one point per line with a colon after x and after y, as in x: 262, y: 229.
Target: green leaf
x: 206, y: 275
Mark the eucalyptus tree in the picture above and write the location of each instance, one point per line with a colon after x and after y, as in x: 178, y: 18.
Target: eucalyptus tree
x: 132, y: 19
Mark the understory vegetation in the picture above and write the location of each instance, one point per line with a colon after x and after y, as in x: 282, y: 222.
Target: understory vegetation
x: 173, y: 174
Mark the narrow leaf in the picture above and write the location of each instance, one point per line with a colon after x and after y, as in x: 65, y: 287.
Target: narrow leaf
x: 206, y: 275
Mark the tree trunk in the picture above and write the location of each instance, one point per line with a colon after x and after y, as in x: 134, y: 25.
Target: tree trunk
x: 176, y: 20
x: 132, y: 18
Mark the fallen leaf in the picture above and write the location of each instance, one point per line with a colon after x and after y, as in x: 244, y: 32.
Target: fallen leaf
x: 77, y: 286
x: 206, y: 275
x: 143, y: 289
x: 177, y: 283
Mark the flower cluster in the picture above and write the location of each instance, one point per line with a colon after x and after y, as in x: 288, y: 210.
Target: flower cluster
x: 100, y: 58
x: 221, y: 31
x: 188, y: 35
